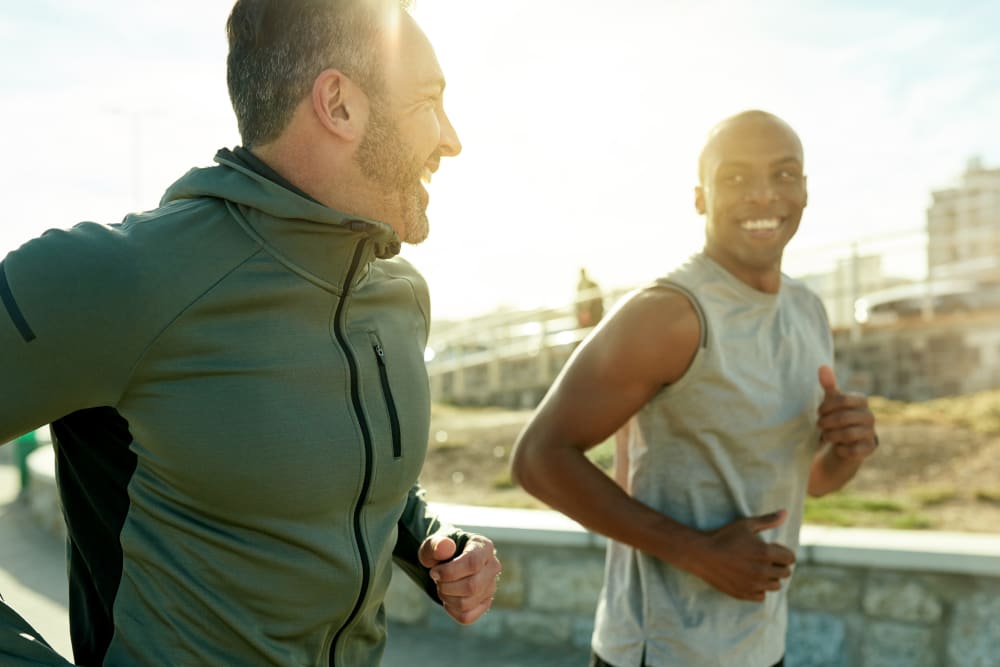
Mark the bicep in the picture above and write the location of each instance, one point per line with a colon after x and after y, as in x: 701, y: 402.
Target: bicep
x: 642, y: 347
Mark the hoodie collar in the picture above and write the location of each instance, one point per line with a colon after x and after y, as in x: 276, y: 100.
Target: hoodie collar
x: 246, y: 158
x: 298, y: 230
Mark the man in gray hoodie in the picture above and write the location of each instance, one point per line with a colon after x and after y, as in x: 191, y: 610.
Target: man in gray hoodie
x: 235, y: 380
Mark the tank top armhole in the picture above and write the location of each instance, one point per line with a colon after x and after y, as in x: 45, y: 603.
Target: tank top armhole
x: 699, y: 355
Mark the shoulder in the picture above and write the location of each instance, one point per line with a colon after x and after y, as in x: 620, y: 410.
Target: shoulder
x: 75, y: 291
x: 398, y: 268
x: 654, y: 331
x: 86, y: 257
x: 661, y: 308
x: 146, y: 267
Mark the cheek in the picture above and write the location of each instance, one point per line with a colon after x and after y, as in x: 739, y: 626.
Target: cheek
x: 426, y: 133
x: 795, y: 195
x: 717, y: 206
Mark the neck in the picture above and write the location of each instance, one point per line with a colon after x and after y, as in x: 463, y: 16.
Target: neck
x: 765, y: 278
x: 297, y: 165
x: 328, y: 175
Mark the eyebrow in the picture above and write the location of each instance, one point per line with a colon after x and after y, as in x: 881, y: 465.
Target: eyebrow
x: 784, y: 160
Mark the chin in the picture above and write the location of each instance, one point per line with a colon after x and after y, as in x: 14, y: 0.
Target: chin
x: 416, y: 230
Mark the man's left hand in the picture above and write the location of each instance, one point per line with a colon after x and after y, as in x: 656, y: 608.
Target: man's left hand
x: 466, y: 583
x: 845, y: 420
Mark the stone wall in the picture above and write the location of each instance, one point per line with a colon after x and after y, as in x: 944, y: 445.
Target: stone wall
x: 859, y: 598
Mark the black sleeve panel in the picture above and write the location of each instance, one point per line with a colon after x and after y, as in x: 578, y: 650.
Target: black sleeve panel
x: 415, y: 526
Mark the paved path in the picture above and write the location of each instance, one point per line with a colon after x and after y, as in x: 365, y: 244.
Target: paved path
x: 32, y: 566
x: 33, y: 581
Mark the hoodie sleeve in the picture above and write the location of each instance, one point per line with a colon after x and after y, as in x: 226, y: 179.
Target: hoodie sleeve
x: 67, y: 302
x: 22, y: 646
x: 415, y: 525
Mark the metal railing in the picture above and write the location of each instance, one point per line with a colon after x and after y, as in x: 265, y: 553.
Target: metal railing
x: 510, y: 358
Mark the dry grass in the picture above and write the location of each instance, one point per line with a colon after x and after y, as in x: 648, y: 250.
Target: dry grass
x: 938, y: 466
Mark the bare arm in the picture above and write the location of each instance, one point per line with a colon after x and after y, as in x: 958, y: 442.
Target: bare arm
x: 609, y: 378
x: 621, y: 457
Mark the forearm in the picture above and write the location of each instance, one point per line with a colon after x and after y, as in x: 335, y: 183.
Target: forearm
x: 830, y: 472
x: 621, y: 457
x: 414, y: 526
x: 567, y: 481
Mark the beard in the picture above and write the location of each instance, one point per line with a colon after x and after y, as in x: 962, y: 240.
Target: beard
x: 385, y: 159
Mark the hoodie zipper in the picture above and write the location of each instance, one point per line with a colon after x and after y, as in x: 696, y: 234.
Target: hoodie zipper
x: 390, y: 404
x: 352, y: 365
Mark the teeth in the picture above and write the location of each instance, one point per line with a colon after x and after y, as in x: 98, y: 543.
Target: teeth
x: 753, y: 225
x: 425, y: 175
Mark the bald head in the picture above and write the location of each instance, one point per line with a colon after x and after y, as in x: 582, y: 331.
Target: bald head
x: 753, y: 121
x: 752, y: 192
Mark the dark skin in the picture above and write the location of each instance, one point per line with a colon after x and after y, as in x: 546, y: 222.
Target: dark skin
x: 615, y: 372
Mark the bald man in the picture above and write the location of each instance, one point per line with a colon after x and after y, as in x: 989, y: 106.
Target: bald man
x: 718, y: 379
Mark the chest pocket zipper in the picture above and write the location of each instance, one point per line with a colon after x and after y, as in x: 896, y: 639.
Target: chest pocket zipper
x: 390, y: 404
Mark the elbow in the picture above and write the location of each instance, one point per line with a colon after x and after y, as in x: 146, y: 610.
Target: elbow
x: 816, y: 493
x: 819, y: 487
x: 524, y: 466
x: 815, y: 489
x: 518, y: 467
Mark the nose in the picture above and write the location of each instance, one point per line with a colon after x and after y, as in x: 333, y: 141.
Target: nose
x: 450, y: 144
x: 761, y: 191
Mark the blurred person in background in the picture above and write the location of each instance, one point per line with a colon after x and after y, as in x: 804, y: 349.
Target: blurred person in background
x: 589, y: 301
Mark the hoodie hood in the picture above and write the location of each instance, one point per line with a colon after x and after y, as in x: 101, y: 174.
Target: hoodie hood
x: 235, y: 182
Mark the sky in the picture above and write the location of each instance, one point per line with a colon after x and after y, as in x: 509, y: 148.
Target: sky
x: 581, y: 123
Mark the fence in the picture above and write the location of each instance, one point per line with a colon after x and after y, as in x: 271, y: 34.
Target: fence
x: 905, y: 326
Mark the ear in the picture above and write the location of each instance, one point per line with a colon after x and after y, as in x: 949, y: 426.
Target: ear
x: 805, y: 189
x: 699, y: 199
x: 338, y: 104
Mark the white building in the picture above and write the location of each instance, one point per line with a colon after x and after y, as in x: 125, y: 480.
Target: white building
x: 963, y: 227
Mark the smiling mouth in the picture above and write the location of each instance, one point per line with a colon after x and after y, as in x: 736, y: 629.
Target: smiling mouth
x: 428, y: 170
x: 761, y: 225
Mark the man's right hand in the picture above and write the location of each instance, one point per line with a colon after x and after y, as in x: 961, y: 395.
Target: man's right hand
x: 736, y: 561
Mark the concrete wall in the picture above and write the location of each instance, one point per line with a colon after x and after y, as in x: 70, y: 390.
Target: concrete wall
x: 859, y: 598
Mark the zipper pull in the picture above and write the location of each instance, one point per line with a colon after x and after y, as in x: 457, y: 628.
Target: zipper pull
x: 380, y: 353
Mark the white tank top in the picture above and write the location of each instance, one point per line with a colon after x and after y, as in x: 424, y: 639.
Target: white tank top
x: 733, y: 438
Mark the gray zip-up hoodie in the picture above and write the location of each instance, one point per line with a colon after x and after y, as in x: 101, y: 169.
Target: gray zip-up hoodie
x: 241, y: 409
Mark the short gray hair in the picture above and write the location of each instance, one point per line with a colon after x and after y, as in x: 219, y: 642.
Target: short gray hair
x: 277, y: 48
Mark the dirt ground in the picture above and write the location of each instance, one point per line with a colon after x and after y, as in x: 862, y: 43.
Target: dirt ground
x: 933, y: 470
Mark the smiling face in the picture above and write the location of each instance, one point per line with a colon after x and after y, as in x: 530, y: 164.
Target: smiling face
x: 752, y: 194
x: 408, y: 132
